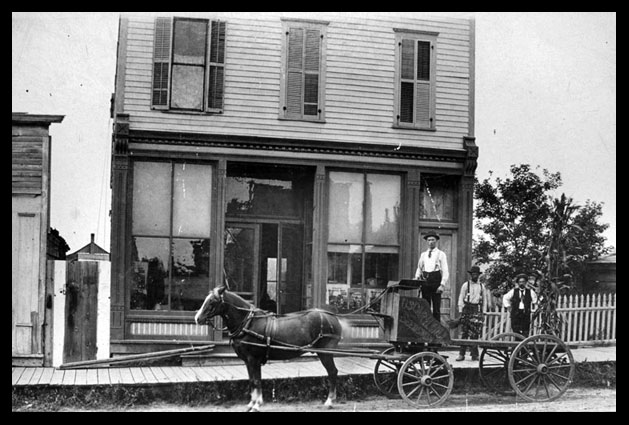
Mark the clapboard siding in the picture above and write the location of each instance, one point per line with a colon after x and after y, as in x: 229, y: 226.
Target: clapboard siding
x: 27, y: 164
x: 359, y: 81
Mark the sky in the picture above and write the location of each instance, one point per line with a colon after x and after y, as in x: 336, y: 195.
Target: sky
x: 545, y: 95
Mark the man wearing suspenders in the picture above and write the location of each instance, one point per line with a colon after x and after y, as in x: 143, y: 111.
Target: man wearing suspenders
x: 471, y: 299
x: 433, y: 267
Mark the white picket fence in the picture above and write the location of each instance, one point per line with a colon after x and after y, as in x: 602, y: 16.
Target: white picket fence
x: 587, y: 318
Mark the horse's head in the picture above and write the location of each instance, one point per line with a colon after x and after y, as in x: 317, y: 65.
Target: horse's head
x: 211, y: 306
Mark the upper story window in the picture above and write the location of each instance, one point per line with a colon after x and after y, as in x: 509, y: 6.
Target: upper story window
x: 415, y: 79
x: 303, y: 70
x: 188, y: 64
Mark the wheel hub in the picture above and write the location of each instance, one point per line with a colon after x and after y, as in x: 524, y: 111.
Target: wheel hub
x: 542, y: 368
x: 426, y: 380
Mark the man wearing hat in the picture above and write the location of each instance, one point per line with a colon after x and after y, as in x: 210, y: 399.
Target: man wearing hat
x: 471, y: 299
x: 518, y: 302
x: 433, y: 268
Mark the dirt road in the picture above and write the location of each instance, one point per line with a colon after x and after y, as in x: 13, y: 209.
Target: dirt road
x: 574, y: 400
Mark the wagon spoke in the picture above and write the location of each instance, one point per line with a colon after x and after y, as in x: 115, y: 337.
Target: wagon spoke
x: 441, y: 377
x: 567, y: 378
x: 552, y: 381
x: 437, y: 369
x: 440, y: 385
x: 500, y: 357
x: 528, y: 387
x: 550, y: 355
x: 521, y: 360
x: 525, y: 370
x: 525, y: 378
x: 561, y: 356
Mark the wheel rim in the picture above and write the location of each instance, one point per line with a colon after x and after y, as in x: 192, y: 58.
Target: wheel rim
x: 425, y: 379
x: 541, y: 368
x: 385, y: 374
x: 494, y: 363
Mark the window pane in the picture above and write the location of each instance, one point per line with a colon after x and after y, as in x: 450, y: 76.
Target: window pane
x: 187, y: 87
x: 423, y: 60
x: 151, y: 198
x: 191, y: 277
x: 192, y: 198
x: 266, y: 191
x: 406, y: 102
x: 345, y: 218
x: 380, y: 268
x: 437, y: 197
x: 190, y: 41
x: 382, y: 209
x: 408, y: 59
x: 150, y: 274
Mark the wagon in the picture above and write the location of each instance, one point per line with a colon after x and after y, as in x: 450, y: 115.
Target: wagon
x: 538, y: 368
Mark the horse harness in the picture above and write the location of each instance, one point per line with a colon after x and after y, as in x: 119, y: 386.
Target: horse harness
x: 270, y: 332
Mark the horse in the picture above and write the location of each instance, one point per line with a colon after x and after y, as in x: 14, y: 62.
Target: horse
x: 258, y: 335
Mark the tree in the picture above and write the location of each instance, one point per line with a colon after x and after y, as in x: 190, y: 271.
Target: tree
x: 525, y: 229
x: 512, y: 215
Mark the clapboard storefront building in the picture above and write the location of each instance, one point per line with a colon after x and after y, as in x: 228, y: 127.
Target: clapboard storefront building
x: 299, y: 157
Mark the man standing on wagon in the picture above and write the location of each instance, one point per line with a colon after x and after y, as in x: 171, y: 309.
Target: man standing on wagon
x: 433, y: 268
x: 471, y: 300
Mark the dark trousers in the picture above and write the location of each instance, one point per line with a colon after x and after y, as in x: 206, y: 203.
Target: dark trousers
x: 521, y: 322
x: 434, y: 299
x: 429, y: 293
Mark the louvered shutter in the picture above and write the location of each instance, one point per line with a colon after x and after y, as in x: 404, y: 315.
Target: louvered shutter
x: 311, y: 72
x: 161, y: 62
x: 422, y: 97
x: 294, y: 78
x: 407, y: 80
x: 217, y: 66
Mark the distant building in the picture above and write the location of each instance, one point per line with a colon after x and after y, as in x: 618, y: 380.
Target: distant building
x: 57, y: 246
x: 30, y: 221
x: 90, y: 252
x: 600, y: 275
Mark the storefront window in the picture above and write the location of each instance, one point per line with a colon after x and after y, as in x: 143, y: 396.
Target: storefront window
x: 363, y: 240
x: 171, y: 229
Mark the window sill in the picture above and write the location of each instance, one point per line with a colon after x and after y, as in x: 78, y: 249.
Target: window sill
x: 319, y: 121
x: 404, y: 127
x: 183, y: 112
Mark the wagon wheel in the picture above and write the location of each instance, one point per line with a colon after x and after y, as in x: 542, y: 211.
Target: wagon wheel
x: 494, y: 362
x: 385, y: 374
x: 425, y: 379
x: 541, y: 368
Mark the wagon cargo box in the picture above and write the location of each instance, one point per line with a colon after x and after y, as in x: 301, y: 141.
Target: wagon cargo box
x: 412, y: 320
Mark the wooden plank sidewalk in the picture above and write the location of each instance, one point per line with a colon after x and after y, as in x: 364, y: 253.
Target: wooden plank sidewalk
x: 160, y: 375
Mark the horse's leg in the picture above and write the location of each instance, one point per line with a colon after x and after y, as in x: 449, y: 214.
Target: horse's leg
x: 328, y: 362
x: 254, y: 368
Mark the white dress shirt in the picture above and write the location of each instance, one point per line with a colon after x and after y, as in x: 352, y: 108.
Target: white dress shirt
x: 436, y: 261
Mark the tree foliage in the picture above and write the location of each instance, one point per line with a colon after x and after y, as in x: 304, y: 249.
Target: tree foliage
x: 524, y: 229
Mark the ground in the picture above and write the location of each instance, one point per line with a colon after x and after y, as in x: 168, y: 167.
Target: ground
x: 574, y: 400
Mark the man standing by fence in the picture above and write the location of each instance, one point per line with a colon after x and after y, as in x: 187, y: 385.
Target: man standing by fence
x: 471, y: 300
x: 518, y: 302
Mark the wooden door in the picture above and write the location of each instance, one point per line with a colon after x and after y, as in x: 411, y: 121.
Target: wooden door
x: 25, y: 283
x: 81, y: 311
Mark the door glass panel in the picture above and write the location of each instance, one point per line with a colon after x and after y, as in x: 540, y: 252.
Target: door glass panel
x: 290, y: 285
x: 345, y: 207
x: 191, y: 277
x: 240, y: 261
x: 192, y: 194
x: 151, y: 198
x: 150, y: 274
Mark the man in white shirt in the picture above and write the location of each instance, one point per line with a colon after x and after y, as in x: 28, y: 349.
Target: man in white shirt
x: 433, y: 268
x: 471, y: 299
x: 518, y: 302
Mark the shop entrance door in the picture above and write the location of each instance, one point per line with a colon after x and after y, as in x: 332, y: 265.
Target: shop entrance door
x: 264, y: 263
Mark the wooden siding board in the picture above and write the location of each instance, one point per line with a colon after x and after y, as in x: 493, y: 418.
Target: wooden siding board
x: 57, y: 377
